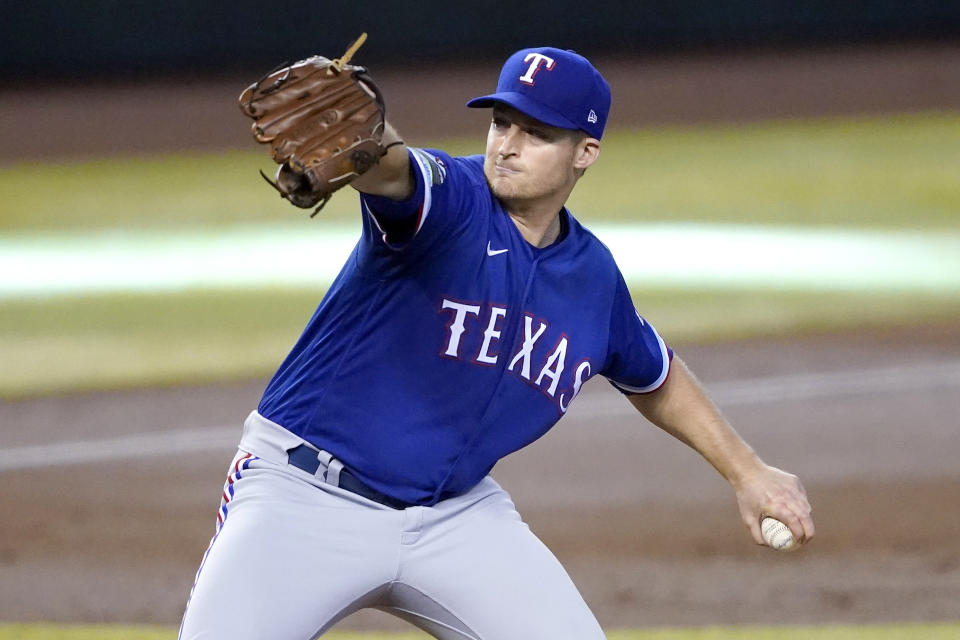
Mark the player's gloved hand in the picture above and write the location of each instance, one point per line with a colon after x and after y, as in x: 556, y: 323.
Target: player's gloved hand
x: 323, y: 120
x: 768, y: 491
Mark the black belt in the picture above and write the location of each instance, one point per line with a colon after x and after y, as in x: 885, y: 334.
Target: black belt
x: 305, y: 458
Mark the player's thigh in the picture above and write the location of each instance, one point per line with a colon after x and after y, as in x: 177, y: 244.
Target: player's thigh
x: 496, y: 580
x: 288, y: 558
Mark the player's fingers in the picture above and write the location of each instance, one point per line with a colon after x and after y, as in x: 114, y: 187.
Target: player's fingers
x: 796, y: 528
x: 798, y: 521
x: 803, y: 517
x: 795, y: 507
x: 806, y: 521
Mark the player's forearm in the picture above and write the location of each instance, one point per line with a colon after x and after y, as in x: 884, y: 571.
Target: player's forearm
x: 390, y: 177
x: 682, y: 409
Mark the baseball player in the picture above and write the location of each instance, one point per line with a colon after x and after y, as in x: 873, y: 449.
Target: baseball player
x: 467, y: 319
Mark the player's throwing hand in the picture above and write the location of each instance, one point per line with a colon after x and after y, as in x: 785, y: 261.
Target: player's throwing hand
x: 778, y: 494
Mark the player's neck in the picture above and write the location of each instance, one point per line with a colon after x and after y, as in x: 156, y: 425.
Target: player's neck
x: 538, y: 220
x: 541, y: 230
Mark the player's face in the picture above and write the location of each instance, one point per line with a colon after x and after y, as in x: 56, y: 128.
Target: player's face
x: 527, y: 160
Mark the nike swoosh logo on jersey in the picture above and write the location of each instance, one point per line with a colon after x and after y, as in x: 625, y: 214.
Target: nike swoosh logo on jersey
x: 495, y: 252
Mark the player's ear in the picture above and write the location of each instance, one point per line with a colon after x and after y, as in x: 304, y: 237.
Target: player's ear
x: 586, y: 153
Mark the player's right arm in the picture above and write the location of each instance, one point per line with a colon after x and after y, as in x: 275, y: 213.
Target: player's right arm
x: 682, y: 408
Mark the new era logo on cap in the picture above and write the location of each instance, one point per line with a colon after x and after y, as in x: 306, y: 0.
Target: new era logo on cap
x: 555, y: 86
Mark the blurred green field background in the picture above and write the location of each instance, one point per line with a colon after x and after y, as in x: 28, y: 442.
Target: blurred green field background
x: 898, y: 172
x: 888, y: 632
x: 889, y: 172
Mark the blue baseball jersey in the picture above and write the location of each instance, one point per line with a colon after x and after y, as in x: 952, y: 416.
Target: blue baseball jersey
x: 450, y: 343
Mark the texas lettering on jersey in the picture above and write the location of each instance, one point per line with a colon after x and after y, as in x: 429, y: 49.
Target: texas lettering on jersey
x: 544, y: 370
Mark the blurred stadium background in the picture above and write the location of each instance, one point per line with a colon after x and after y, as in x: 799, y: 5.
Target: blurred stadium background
x: 761, y: 136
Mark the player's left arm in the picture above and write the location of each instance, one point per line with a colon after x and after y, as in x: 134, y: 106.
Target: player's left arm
x: 390, y: 177
x: 682, y: 408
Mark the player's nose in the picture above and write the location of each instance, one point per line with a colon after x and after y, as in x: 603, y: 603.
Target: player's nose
x: 510, y: 141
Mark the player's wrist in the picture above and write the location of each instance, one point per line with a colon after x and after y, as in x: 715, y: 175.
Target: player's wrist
x: 745, y: 471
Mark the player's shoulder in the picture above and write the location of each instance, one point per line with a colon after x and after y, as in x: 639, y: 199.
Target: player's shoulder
x: 600, y: 256
x: 439, y: 166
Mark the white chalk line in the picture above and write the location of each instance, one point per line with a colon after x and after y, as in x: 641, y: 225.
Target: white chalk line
x: 145, y: 445
x: 732, y: 393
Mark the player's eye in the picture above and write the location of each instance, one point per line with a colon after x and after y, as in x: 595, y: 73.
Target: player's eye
x: 499, y: 122
x: 540, y: 134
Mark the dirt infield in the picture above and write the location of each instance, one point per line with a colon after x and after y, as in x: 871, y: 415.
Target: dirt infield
x: 646, y: 529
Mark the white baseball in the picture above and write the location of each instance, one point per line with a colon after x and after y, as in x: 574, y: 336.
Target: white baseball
x: 777, y: 535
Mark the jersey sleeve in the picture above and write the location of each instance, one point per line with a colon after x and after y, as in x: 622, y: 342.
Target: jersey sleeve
x: 638, y: 360
x: 444, y: 186
x: 397, y: 220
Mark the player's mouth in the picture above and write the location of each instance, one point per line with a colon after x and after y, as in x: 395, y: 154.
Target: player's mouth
x: 505, y: 171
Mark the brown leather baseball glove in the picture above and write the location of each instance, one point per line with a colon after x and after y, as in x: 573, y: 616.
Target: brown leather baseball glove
x: 323, y: 120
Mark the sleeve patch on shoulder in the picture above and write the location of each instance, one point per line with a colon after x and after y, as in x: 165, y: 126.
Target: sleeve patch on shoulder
x: 434, y: 165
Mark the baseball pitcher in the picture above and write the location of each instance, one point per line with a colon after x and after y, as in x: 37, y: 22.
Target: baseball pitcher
x: 465, y: 322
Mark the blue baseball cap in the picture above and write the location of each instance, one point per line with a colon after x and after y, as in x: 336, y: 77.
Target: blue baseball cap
x: 555, y: 86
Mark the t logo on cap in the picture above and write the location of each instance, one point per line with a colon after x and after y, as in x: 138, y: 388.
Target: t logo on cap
x: 538, y: 60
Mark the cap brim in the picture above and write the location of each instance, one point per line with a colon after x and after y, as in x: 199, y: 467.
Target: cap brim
x: 524, y: 104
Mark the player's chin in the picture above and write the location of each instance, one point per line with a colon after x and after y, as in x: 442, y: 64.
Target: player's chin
x: 512, y: 196
x: 504, y: 188
x: 512, y: 187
